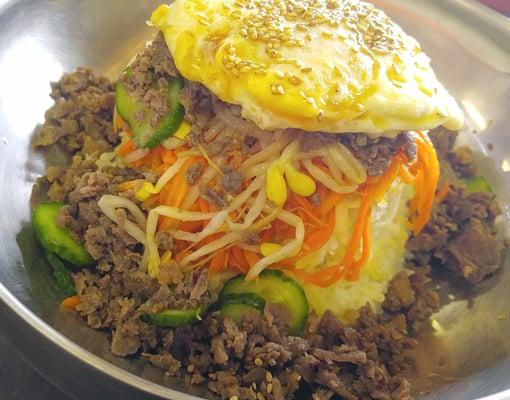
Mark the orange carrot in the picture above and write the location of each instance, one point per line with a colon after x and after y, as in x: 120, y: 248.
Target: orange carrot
x: 329, y: 202
x: 126, y: 148
x: 218, y: 262
x: 442, y: 193
x: 71, y: 302
x: 168, y: 156
x: 251, y: 257
x: 238, y: 259
x: 321, y: 236
x: 323, y: 278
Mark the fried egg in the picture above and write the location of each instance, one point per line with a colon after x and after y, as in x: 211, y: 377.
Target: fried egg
x: 335, y: 66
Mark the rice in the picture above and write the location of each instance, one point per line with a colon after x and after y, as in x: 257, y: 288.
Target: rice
x: 389, y: 235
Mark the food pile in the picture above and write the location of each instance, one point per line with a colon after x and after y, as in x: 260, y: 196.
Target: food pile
x: 251, y: 212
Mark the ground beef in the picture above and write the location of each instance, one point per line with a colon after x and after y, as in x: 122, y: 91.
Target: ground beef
x: 361, y: 361
x: 461, y: 235
x: 193, y: 173
x: 81, y: 118
x: 257, y: 360
x: 376, y: 154
x: 148, y: 79
x: 231, y: 181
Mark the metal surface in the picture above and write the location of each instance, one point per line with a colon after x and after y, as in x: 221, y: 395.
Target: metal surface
x: 470, y: 48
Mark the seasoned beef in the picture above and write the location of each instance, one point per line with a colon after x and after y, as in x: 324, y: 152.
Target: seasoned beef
x: 81, y: 118
x: 149, y: 77
x: 231, y: 180
x: 193, y: 173
x: 461, y: 235
x: 376, y: 154
x: 355, y: 362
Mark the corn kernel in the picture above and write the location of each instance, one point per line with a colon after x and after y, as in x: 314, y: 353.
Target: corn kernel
x: 183, y: 130
x: 275, y: 185
x: 299, y: 183
x: 146, y: 191
x: 269, y: 248
x: 167, y: 257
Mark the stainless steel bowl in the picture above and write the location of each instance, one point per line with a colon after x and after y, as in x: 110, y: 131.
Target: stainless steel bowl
x: 39, y: 40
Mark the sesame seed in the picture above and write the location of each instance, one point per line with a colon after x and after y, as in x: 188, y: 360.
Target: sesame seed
x: 190, y: 368
x: 279, y: 74
x: 295, y: 80
x: 306, y: 69
x: 269, y: 377
x: 254, y: 386
x: 260, y: 396
x: 258, y: 362
x: 269, y: 388
x: 272, y: 363
x: 234, y: 398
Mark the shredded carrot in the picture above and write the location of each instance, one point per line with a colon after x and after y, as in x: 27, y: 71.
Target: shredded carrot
x: 151, y: 202
x: 251, y: 257
x: 321, y: 236
x: 329, y: 202
x: 168, y: 156
x: 442, y: 193
x: 239, y: 261
x: 71, y: 302
x: 126, y: 148
x: 323, y: 278
x: 427, y: 177
x: 218, y: 262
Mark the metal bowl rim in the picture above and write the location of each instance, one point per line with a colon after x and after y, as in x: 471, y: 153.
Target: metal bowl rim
x: 476, y: 9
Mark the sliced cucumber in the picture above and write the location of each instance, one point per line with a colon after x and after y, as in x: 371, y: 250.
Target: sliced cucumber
x: 62, y: 275
x: 477, y: 184
x: 275, y: 288
x: 144, y: 134
x: 54, y: 238
x: 236, y: 305
x: 174, y: 318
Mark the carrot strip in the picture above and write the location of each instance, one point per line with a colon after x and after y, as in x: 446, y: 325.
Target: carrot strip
x: 218, y: 262
x: 323, y: 278
x: 442, y: 193
x: 251, y: 257
x: 321, y: 236
x: 329, y: 202
x: 71, y: 302
x: 238, y: 259
x: 126, y: 148
x: 168, y: 156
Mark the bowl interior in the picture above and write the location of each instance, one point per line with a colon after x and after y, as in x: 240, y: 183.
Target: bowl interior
x: 470, y: 50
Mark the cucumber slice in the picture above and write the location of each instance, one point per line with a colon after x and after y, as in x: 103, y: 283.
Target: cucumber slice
x: 236, y: 305
x: 54, y: 238
x: 174, y: 318
x: 477, y: 184
x: 144, y: 134
x: 62, y: 275
x: 275, y: 288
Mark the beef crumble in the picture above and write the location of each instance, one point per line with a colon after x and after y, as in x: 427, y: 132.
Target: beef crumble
x: 257, y: 360
x: 461, y: 235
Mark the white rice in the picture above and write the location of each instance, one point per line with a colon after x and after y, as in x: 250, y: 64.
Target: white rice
x: 389, y: 235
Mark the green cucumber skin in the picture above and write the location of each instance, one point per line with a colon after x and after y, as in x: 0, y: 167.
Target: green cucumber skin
x: 477, y: 184
x: 275, y: 288
x: 144, y: 135
x: 62, y: 275
x: 235, y: 305
x: 56, y: 239
x: 175, y: 318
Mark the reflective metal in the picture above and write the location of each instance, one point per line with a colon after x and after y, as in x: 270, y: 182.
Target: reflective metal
x: 465, y: 356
